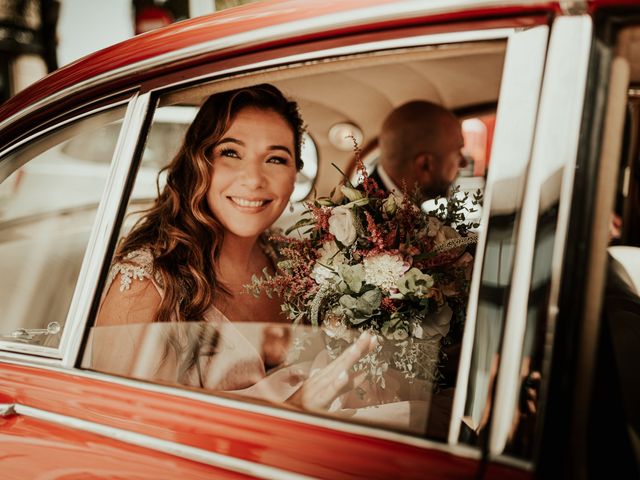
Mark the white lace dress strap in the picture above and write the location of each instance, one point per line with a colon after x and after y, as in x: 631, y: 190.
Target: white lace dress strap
x: 137, y: 264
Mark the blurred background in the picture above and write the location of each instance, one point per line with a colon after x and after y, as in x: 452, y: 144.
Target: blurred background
x: 39, y: 36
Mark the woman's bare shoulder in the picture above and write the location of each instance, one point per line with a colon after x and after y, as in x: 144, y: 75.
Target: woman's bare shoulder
x: 132, y: 295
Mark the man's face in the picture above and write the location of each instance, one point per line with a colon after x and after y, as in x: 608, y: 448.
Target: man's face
x: 446, y: 160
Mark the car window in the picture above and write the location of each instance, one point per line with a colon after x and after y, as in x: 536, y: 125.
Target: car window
x: 398, y: 383
x: 48, y: 200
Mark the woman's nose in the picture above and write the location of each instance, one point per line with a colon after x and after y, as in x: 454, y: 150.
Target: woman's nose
x: 253, y: 175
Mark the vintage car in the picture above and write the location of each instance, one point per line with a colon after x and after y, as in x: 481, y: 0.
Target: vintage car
x: 544, y: 380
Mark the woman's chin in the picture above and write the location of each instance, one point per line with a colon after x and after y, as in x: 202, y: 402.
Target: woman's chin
x: 246, y: 230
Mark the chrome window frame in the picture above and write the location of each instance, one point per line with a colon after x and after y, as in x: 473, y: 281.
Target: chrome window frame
x: 556, y: 138
x: 512, y: 144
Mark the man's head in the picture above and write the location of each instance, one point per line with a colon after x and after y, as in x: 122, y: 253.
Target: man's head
x: 420, y: 144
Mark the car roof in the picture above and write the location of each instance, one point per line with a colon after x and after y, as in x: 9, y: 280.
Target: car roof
x: 249, y: 28
x: 253, y: 27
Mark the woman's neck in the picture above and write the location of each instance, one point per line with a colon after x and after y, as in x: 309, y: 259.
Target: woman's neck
x: 238, y: 256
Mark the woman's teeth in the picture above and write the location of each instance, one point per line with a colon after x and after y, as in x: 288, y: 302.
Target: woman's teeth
x: 243, y: 202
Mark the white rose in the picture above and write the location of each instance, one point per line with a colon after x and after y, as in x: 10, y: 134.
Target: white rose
x: 330, y: 257
x: 341, y: 225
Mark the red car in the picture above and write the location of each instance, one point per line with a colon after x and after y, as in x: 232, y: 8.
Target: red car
x: 544, y: 381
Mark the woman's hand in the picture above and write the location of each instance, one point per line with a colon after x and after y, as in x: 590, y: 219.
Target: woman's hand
x: 326, y: 384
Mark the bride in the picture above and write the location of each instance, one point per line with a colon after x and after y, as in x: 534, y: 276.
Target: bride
x: 174, y: 307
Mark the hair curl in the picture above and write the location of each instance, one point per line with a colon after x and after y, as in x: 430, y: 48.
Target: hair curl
x: 180, y: 230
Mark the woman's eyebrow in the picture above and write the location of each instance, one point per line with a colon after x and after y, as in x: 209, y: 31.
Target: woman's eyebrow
x: 231, y: 140
x: 280, y: 147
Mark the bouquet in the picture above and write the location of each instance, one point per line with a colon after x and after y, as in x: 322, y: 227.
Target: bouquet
x: 369, y: 261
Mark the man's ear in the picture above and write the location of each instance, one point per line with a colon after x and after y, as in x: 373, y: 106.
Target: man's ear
x: 424, y: 162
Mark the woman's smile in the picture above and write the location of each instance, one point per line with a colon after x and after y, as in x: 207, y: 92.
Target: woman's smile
x: 249, y: 203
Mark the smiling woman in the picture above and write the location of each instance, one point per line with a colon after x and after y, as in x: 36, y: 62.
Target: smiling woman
x: 204, y: 236
x: 176, y: 288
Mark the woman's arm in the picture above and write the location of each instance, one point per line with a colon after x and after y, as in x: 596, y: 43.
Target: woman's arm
x: 137, y: 303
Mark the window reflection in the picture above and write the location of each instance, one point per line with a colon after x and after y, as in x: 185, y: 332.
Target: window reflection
x: 262, y: 361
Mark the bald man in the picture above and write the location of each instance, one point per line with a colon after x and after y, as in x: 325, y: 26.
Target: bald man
x: 420, y: 145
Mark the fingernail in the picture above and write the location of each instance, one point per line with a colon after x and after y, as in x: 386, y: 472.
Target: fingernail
x: 343, y: 376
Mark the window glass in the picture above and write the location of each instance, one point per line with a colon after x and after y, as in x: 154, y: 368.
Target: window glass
x: 506, y: 180
x: 177, y: 306
x: 48, y: 200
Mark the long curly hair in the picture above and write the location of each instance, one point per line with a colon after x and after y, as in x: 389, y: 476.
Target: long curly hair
x: 180, y: 230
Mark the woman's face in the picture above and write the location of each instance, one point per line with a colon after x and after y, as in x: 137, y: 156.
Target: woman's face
x: 254, y: 170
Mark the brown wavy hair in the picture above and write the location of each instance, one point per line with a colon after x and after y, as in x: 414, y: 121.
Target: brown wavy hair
x: 180, y: 230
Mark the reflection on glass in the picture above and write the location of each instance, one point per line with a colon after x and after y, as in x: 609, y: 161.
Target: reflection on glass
x: 491, y: 313
x: 520, y: 442
x: 48, y: 202
x: 268, y: 362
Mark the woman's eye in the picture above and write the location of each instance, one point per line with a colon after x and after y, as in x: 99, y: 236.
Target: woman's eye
x: 278, y: 160
x: 229, y: 152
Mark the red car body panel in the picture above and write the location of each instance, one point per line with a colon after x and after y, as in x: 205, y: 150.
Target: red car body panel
x: 289, y: 445
x: 32, y: 448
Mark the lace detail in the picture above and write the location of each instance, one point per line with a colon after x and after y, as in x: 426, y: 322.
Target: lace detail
x: 136, y: 264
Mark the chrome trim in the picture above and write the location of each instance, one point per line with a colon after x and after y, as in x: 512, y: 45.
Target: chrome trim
x: 513, y: 140
x: 555, y: 150
x: 214, y: 459
x: 38, y: 356
x: 265, y: 410
x: 7, y: 409
x: 574, y: 7
x: 86, y: 286
x: 380, y: 13
x: 25, y: 348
